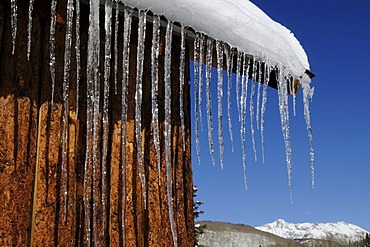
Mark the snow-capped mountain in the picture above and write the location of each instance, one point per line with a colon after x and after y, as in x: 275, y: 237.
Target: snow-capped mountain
x: 221, y: 234
x: 339, y: 231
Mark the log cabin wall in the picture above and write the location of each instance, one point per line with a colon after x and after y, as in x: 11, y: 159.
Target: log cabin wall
x: 30, y: 151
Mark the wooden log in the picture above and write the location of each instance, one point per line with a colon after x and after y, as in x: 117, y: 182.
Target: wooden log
x: 31, y: 209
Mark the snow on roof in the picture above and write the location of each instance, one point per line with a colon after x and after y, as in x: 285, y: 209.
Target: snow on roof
x: 241, y: 24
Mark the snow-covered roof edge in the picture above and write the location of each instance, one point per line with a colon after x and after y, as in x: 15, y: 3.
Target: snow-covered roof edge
x: 239, y: 23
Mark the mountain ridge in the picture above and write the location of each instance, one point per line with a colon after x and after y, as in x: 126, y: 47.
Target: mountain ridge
x: 221, y: 234
x: 339, y: 231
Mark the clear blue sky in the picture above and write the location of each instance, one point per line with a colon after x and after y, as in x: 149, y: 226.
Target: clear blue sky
x: 336, y: 37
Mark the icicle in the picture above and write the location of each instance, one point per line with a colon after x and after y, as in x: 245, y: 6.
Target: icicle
x: 229, y: 63
x: 244, y: 90
x: 251, y: 106
x: 78, y: 56
x: 209, y: 96
x: 167, y: 126
x: 284, y: 115
x: 263, y: 109
x: 138, y: 100
x: 105, y: 117
x: 201, y: 63
x: 220, y: 64
x: 293, y: 92
x: 182, y: 84
x: 52, y: 47
x: 65, y: 116
x: 243, y: 112
x: 243, y: 87
x: 116, y: 25
x: 29, y: 28
x: 307, y: 95
x: 259, y: 95
x: 154, y: 71
x: 93, y: 96
x: 125, y: 77
x: 14, y: 24
x: 196, y: 93
x: 237, y: 82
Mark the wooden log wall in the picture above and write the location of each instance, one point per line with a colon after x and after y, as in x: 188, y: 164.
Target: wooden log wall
x: 30, y: 150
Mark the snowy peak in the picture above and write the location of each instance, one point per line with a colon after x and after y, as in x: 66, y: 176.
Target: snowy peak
x: 339, y: 231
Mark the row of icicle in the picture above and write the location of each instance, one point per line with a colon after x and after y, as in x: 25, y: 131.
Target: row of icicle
x: 203, y: 48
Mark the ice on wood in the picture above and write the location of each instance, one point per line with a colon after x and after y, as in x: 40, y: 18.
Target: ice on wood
x: 138, y: 99
x: 182, y: 84
x: 65, y: 115
x: 29, y: 28
x: 116, y: 25
x: 257, y: 41
x: 196, y: 92
x: 106, y: 91
x: 78, y: 56
x: 155, y: 85
x: 125, y: 77
x: 14, y: 22
x: 202, y: 41
x: 53, y: 17
x: 167, y: 126
x: 92, y: 104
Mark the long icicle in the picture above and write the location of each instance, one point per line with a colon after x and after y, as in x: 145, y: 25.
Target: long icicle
x: 116, y: 26
x: 196, y: 93
x: 201, y: 63
x: 105, y: 117
x: 167, y: 127
x: 155, y: 86
x: 53, y: 13
x: 14, y: 22
x: 284, y: 115
x: 182, y: 84
x: 259, y: 82
x: 229, y: 64
x: 65, y: 116
x: 91, y: 156
x: 209, y: 97
x: 125, y: 78
x: 251, y: 106
x: 243, y: 87
x: 293, y: 93
x: 138, y: 100
x: 220, y: 63
x: 307, y: 95
x: 78, y: 55
x: 29, y: 28
x: 237, y: 82
x: 263, y: 109
x: 243, y: 113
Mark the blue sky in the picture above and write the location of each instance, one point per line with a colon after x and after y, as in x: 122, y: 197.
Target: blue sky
x: 335, y: 36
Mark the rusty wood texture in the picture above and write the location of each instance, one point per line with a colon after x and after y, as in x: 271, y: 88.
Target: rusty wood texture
x: 31, y: 210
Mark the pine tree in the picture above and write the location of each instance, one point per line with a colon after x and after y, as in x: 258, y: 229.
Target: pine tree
x: 198, y: 229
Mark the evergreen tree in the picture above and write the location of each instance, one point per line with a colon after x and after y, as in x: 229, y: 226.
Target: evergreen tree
x: 198, y: 229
